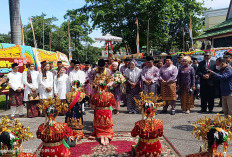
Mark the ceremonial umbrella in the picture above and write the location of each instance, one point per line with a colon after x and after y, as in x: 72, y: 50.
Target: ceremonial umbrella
x: 108, y: 38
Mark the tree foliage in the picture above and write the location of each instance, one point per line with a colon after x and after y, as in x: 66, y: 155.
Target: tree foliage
x: 167, y: 20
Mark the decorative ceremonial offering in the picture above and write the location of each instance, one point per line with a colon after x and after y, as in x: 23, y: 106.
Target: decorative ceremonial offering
x: 214, y: 132
x: 148, y: 129
x: 12, y: 134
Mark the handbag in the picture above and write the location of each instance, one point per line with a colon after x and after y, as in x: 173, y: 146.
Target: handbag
x: 33, y: 96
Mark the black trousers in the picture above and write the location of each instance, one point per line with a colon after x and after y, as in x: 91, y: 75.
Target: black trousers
x: 207, y: 97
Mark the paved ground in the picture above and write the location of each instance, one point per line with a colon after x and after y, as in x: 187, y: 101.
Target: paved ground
x: 177, y: 128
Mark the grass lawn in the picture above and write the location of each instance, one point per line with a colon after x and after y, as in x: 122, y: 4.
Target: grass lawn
x: 2, y: 102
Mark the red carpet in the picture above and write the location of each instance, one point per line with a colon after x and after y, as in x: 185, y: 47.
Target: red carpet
x: 119, y: 147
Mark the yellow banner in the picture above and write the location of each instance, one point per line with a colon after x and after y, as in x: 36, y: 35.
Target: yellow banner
x: 12, y: 52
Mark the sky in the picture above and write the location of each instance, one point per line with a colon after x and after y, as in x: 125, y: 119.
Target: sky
x: 58, y: 8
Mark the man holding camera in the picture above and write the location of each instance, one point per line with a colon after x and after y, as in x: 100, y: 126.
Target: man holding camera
x: 206, y: 83
x: 16, y: 90
x: 225, y: 77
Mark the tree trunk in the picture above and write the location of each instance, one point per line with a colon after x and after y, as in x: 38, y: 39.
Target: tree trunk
x: 15, y: 22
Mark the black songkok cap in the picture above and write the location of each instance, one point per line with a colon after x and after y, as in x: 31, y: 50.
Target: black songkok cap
x: 43, y: 62
x: 14, y: 65
x: 149, y: 58
x: 101, y: 63
x: 87, y: 62
x: 59, y: 62
x: 169, y: 57
x: 127, y: 59
x: 73, y: 61
x: 77, y: 62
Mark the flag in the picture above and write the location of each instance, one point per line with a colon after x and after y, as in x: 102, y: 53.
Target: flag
x: 137, y: 40
x: 33, y: 33
x: 191, y: 30
x: 69, y: 43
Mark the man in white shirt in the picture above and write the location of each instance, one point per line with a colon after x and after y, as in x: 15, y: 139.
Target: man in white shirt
x: 77, y: 74
x: 16, y: 91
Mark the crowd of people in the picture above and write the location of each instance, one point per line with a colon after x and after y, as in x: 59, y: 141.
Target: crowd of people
x: 186, y: 80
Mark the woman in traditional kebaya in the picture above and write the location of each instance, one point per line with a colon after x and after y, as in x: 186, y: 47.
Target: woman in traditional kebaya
x: 115, y: 87
x: 45, y: 82
x: 101, y: 103
x: 31, y: 82
x: 186, y: 84
x: 133, y: 75
x: 148, y: 129
x: 52, y: 133
x: 61, y: 84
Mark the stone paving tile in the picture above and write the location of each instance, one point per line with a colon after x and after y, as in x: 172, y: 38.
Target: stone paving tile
x: 177, y: 128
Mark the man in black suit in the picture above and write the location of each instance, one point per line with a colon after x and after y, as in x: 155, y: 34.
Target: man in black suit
x: 206, y: 83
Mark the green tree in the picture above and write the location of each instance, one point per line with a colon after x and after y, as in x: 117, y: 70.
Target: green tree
x: 79, y: 31
x: 5, y: 38
x: 167, y: 17
x: 38, y: 22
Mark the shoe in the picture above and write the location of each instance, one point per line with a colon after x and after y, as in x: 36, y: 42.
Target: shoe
x: 83, y: 113
x: 22, y: 116
x: 187, y: 112
x: 163, y: 112
x: 210, y: 111
x: 202, y: 111
x: 130, y: 112
x: 173, y: 112
x: 221, y: 112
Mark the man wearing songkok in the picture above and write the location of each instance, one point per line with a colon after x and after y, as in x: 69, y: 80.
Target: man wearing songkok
x: 16, y: 90
x: 150, y: 76
x: 168, y: 78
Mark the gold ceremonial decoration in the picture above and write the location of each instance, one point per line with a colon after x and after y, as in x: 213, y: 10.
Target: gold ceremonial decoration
x: 46, y: 103
x: 15, y: 127
x: 202, y: 126
x: 101, y: 78
x: 148, y: 98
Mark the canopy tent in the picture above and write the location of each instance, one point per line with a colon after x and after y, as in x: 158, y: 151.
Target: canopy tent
x: 108, y: 38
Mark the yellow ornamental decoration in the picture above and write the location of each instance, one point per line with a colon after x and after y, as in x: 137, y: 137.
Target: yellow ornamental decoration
x: 11, y: 52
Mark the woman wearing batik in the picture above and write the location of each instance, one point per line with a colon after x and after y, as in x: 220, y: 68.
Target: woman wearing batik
x: 186, y: 84
x: 101, y: 103
x: 45, y: 82
x: 74, y: 116
x: 115, y: 87
x: 31, y: 83
x: 52, y: 133
x: 133, y: 76
x: 149, y: 131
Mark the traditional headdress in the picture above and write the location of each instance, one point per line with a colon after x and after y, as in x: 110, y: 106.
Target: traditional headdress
x: 214, y: 132
x: 51, y: 108
x: 12, y: 134
x: 148, y: 104
x: 101, y: 81
x: 115, y: 63
x: 188, y: 58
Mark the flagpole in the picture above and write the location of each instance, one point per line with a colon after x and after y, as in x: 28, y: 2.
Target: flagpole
x: 137, y: 41
x: 191, y: 29
x: 69, y: 43
x: 50, y: 42
x: 22, y: 31
x: 43, y: 32
x: 35, y: 44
